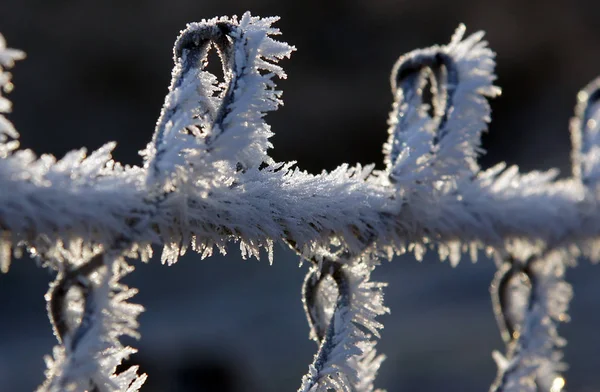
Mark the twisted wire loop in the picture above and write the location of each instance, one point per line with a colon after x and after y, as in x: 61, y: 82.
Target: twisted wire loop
x: 322, y: 330
x: 102, y: 298
x: 341, y: 304
x: 409, y: 77
x: 78, y: 277
x: 58, y: 303
x: 510, y: 271
x: 411, y: 72
x: 529, y: 298
x: 319, y: 275
x: 89, y: 278
x: 89, y: 313
x: 191, y: 51
x: 209, y: 112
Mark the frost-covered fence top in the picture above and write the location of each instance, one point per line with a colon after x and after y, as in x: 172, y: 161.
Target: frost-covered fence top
x: 208, y: 180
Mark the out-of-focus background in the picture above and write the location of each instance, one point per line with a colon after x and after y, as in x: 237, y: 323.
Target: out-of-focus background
x: 98, y: 71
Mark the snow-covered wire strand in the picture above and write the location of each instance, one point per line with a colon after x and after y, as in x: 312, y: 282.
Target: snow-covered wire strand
x: 323, y: 331
x: 408, y: 76
x: 89, y: 329
x: 58, y: 303
x: 534, y: 359
x: 57, y: 295
x: 452, y: 212
x: 341, y: 308
x: 208, y: 180
x: 190, y: 53
x: 425, y: 148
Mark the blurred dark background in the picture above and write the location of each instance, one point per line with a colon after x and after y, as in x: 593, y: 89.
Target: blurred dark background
x: 98, y: 71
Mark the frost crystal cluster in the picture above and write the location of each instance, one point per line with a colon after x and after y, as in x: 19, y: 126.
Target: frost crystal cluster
x: 208, y: 180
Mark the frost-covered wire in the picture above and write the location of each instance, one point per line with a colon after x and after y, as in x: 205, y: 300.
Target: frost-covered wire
x: 528, y: 317
x: 92, y: 198
x: 89, y: 311
x: 79, y: 277
x: 425, y: 149
x: 208, y: 180
x: 530, y: 295
x: 199, y: 109
x: 341, y: 305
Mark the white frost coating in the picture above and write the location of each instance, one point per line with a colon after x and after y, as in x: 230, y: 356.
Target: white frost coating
x: 425, y: 149
x: 347, y: 360
x: 208, y: 180
x: 534, y: 356
x: 88, y: 200
x: 206, y: 126
x: 211, y: 202
x: 91, y: 361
